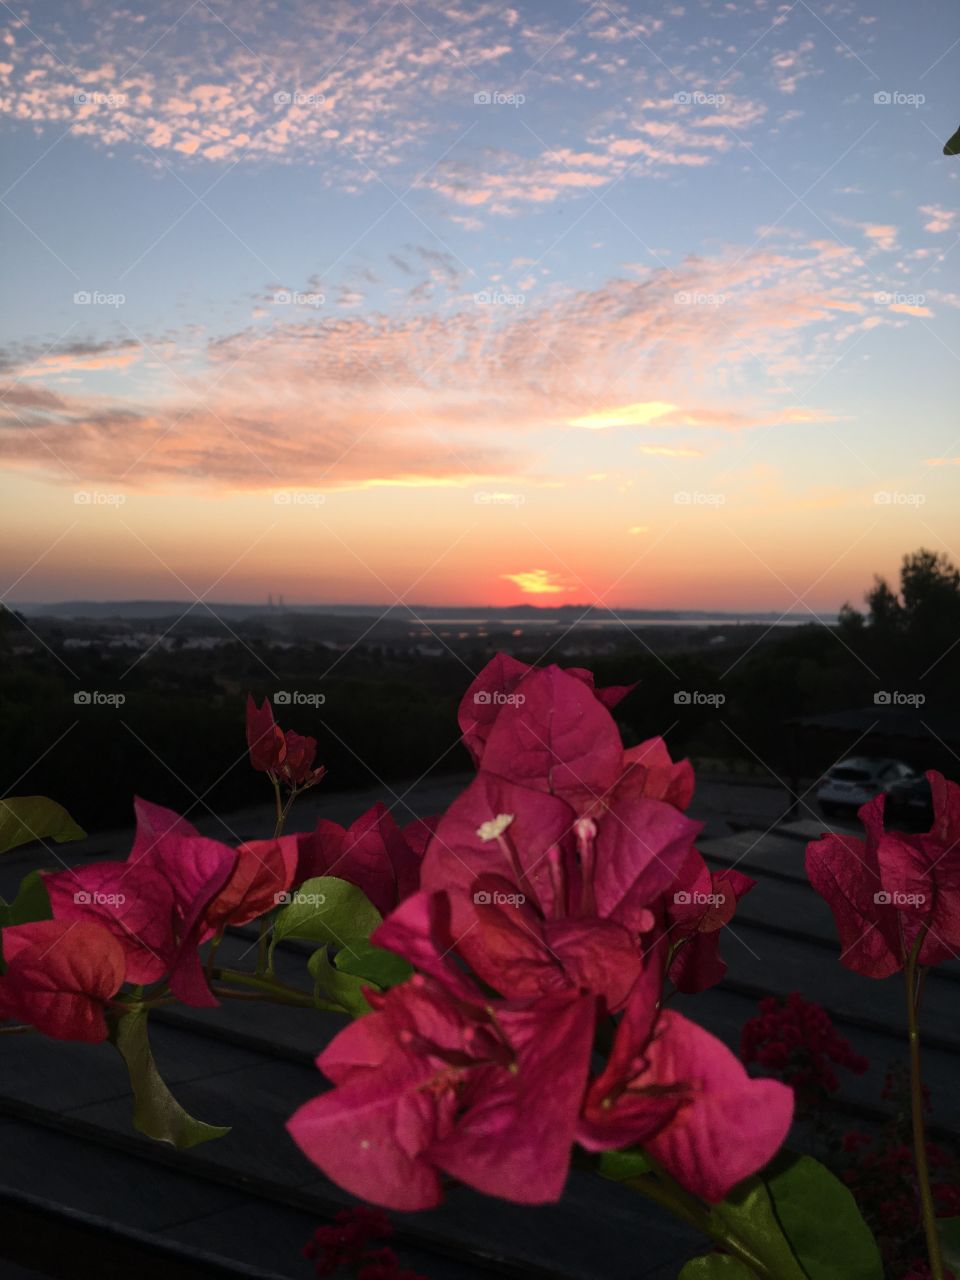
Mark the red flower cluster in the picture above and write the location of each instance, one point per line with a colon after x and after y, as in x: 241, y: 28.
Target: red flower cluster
x: 374, y: 853
x: 137, y: 921
x: 143, y: 920
x: 348, y: 1244
x: 878, y: 1167
x: 795, y: 1040
x: 554, y: 896
x: 879, y: 1170
x: 287, y: 757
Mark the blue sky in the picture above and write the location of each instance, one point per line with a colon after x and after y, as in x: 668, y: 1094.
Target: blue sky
x: 397, y: 255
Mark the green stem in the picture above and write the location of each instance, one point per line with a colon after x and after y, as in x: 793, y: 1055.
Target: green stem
x: 914, y: 977
x: 212, y: 955
x: 227, y: 993
x: 662, y: 1190
x: 263, y: 940
x: 281, y: 812
x: 278, y: 990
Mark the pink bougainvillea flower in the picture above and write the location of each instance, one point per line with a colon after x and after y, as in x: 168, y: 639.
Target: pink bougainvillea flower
x: 421, y: 930
x: 176, y: 890
x: 373, y: 853
x: 542, y: 900
x: 265, y: 738
x: 648, y: 770
x: 136, y: 904
x: 698, y: 906
x: 613, y: 867
x: 497, y: 686
x: 428, y: 1084
x: 420, y: 832
x: 286, y: 756
x: 60, y: 977
x: 153, y: 904
x: 512, y: 948
x: 264, y: 870
x: 921, y: 876
x: 556, y: 737
x: 197, y: 869
x: 677, y: 1090
x: 845, y: 871
x: 297, y: 768
x: 551, y: 729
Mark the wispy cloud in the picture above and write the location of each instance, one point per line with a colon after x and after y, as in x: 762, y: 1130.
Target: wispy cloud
x: 432, y: 395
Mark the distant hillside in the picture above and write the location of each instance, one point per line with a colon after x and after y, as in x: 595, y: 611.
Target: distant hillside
x: 564, y: 613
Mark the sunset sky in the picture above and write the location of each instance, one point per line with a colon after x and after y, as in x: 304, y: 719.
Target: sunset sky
x: 556, y: 303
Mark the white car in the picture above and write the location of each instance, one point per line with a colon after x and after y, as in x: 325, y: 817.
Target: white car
x: 854, y: 782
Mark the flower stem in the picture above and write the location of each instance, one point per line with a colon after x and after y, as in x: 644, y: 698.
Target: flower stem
x: 914, y: 977
x: 263, y: 939
x: 270, y: 988
x: 281, y: 813
x: 662, y: 1190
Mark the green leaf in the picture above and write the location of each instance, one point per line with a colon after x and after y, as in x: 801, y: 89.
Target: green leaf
x: 949, y: 1229
x: 952, y: 146
x: 156, y: 1111
x: 619, y: 1166
x: 31, y: 903
x: 716, y: 1266
x: 326, y: 909
x: 374, y: 964
x: 802, y: 1222
x: 26, y: 818
x: 344, y: 989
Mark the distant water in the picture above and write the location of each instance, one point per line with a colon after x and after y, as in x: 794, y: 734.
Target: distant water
x: 600, y: 624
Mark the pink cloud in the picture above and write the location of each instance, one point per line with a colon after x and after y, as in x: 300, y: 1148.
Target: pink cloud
x: 341, y: 399
x: 939, y: 219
